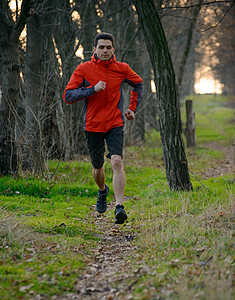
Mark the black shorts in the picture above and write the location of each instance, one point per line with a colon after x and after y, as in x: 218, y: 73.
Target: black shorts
x: 96, y: 145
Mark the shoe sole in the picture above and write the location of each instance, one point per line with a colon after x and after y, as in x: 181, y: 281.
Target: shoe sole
x: 120, y: 218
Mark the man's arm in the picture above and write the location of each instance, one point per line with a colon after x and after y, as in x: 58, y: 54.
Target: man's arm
x: 77, y: 88
x: 136, y: 82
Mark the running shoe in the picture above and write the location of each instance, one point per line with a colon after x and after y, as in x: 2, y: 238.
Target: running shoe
x: 101, y: 204
x: 120, y: 214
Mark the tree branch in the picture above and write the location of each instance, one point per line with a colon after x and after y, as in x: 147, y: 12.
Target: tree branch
x: 21, y: 21
x: 220, y: 19
x: 195, y: 5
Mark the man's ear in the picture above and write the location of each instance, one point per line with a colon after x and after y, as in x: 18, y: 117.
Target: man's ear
x: 94, y: 49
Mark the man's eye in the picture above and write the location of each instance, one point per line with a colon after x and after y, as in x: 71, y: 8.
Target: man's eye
x: 101, y: 47
x: 109, y: 47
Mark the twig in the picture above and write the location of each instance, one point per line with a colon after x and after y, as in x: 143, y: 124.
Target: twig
x: 213, y: 26
x: 55, y: 170
x: 201, y: 182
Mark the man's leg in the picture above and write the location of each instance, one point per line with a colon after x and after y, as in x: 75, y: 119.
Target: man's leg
x: 118, y: 178
x: 99, y: 177
x: 96, y: 146
x: 119, y: 188
x: 114, y: 141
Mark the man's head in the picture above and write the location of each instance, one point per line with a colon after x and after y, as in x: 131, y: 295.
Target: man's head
x: 103, y: 36
x: 104, y: 46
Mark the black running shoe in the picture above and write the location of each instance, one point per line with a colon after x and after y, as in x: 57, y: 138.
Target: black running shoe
x: 120, y: 214
x: 101, y: 204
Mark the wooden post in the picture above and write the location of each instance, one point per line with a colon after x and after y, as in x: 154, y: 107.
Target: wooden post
x: 233, y: 149
x: 190, y: 124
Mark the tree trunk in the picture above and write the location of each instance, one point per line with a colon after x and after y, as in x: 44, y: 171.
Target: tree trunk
x: 88, y: 28
x: 149, y: 98
x: 10, y: 73
x: 190, y: 124
x: 32, y: 152
x: 69, y: 116
x: 50, y: 85
x: 169, y: 110
x: 192, y: 24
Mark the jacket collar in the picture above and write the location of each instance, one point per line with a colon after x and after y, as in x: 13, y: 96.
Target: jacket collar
x: 95, y: 58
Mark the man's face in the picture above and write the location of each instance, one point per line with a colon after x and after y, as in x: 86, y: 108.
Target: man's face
x: 104, y: 49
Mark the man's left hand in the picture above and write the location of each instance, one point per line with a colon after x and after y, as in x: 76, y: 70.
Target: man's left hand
x: 129, y: 114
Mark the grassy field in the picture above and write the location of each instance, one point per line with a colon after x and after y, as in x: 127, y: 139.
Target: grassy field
x: 183, y: 240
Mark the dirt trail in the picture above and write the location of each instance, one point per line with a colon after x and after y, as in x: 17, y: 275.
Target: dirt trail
x: 104, y: 276
x: 109, y: 273
x: 222, y: 167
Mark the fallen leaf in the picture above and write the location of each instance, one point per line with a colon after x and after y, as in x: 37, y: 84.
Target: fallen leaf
x: 25, y: 288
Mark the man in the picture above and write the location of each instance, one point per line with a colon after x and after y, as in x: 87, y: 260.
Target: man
x: 99, y: 82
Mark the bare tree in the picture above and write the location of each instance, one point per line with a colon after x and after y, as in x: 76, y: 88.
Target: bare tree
x: 169, y: 110
x: 33, y: 83
x: 192, y: 23
x: 68, y: 38
x: 10, y: 31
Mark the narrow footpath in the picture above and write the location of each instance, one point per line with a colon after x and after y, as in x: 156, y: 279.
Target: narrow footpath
x: 110, y: 273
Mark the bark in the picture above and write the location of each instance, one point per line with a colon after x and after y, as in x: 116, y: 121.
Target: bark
x: 88, y: 28
x: 50, y: 86
x: 169, y: 110
x: 192, y: 24
x: 149, y: 99
x: 69, y: 116
x: 32, y: 152
x: 190, y: 124
x: 10, y: 71
x: 10, y: 68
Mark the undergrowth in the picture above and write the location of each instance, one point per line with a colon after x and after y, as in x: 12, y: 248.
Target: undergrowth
x: 47, y: 231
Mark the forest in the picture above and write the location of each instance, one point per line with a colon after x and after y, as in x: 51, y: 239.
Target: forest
x: 178, y: 240
x: 42, y: 42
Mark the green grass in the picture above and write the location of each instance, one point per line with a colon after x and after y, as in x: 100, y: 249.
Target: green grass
x: 215, y: 120
x: 57, y: 213
x: 42, y: 264
x: 187, y: 239
x: 47, y: 231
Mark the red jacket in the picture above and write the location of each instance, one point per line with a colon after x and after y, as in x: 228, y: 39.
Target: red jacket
x: 103, y: 110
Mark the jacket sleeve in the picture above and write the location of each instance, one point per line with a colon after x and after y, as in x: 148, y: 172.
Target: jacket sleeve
x: 77, y: 88
x: 136, y: 82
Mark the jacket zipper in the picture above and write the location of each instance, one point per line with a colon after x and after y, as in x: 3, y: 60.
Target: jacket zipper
x: 106, y: 97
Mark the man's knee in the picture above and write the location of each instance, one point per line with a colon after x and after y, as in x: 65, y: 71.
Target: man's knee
x: 116, y: 162
x: 98, y: 171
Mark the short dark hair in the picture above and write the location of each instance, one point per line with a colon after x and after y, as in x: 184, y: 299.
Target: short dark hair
x: 103, y: 36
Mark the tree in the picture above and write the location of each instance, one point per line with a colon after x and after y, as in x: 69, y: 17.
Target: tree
x: 192, y: 23
x: 178, y: 18
x: 224, y: 48
x: 10, y: 31
x: 215, y: 57
x: 33, y: 83
x: 69, y: 117
x: 166, y: 89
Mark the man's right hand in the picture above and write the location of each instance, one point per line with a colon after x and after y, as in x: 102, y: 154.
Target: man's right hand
x: 100, y: 86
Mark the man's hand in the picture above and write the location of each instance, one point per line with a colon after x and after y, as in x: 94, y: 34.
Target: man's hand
x: 129, y: 114
x: 100, y: 86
